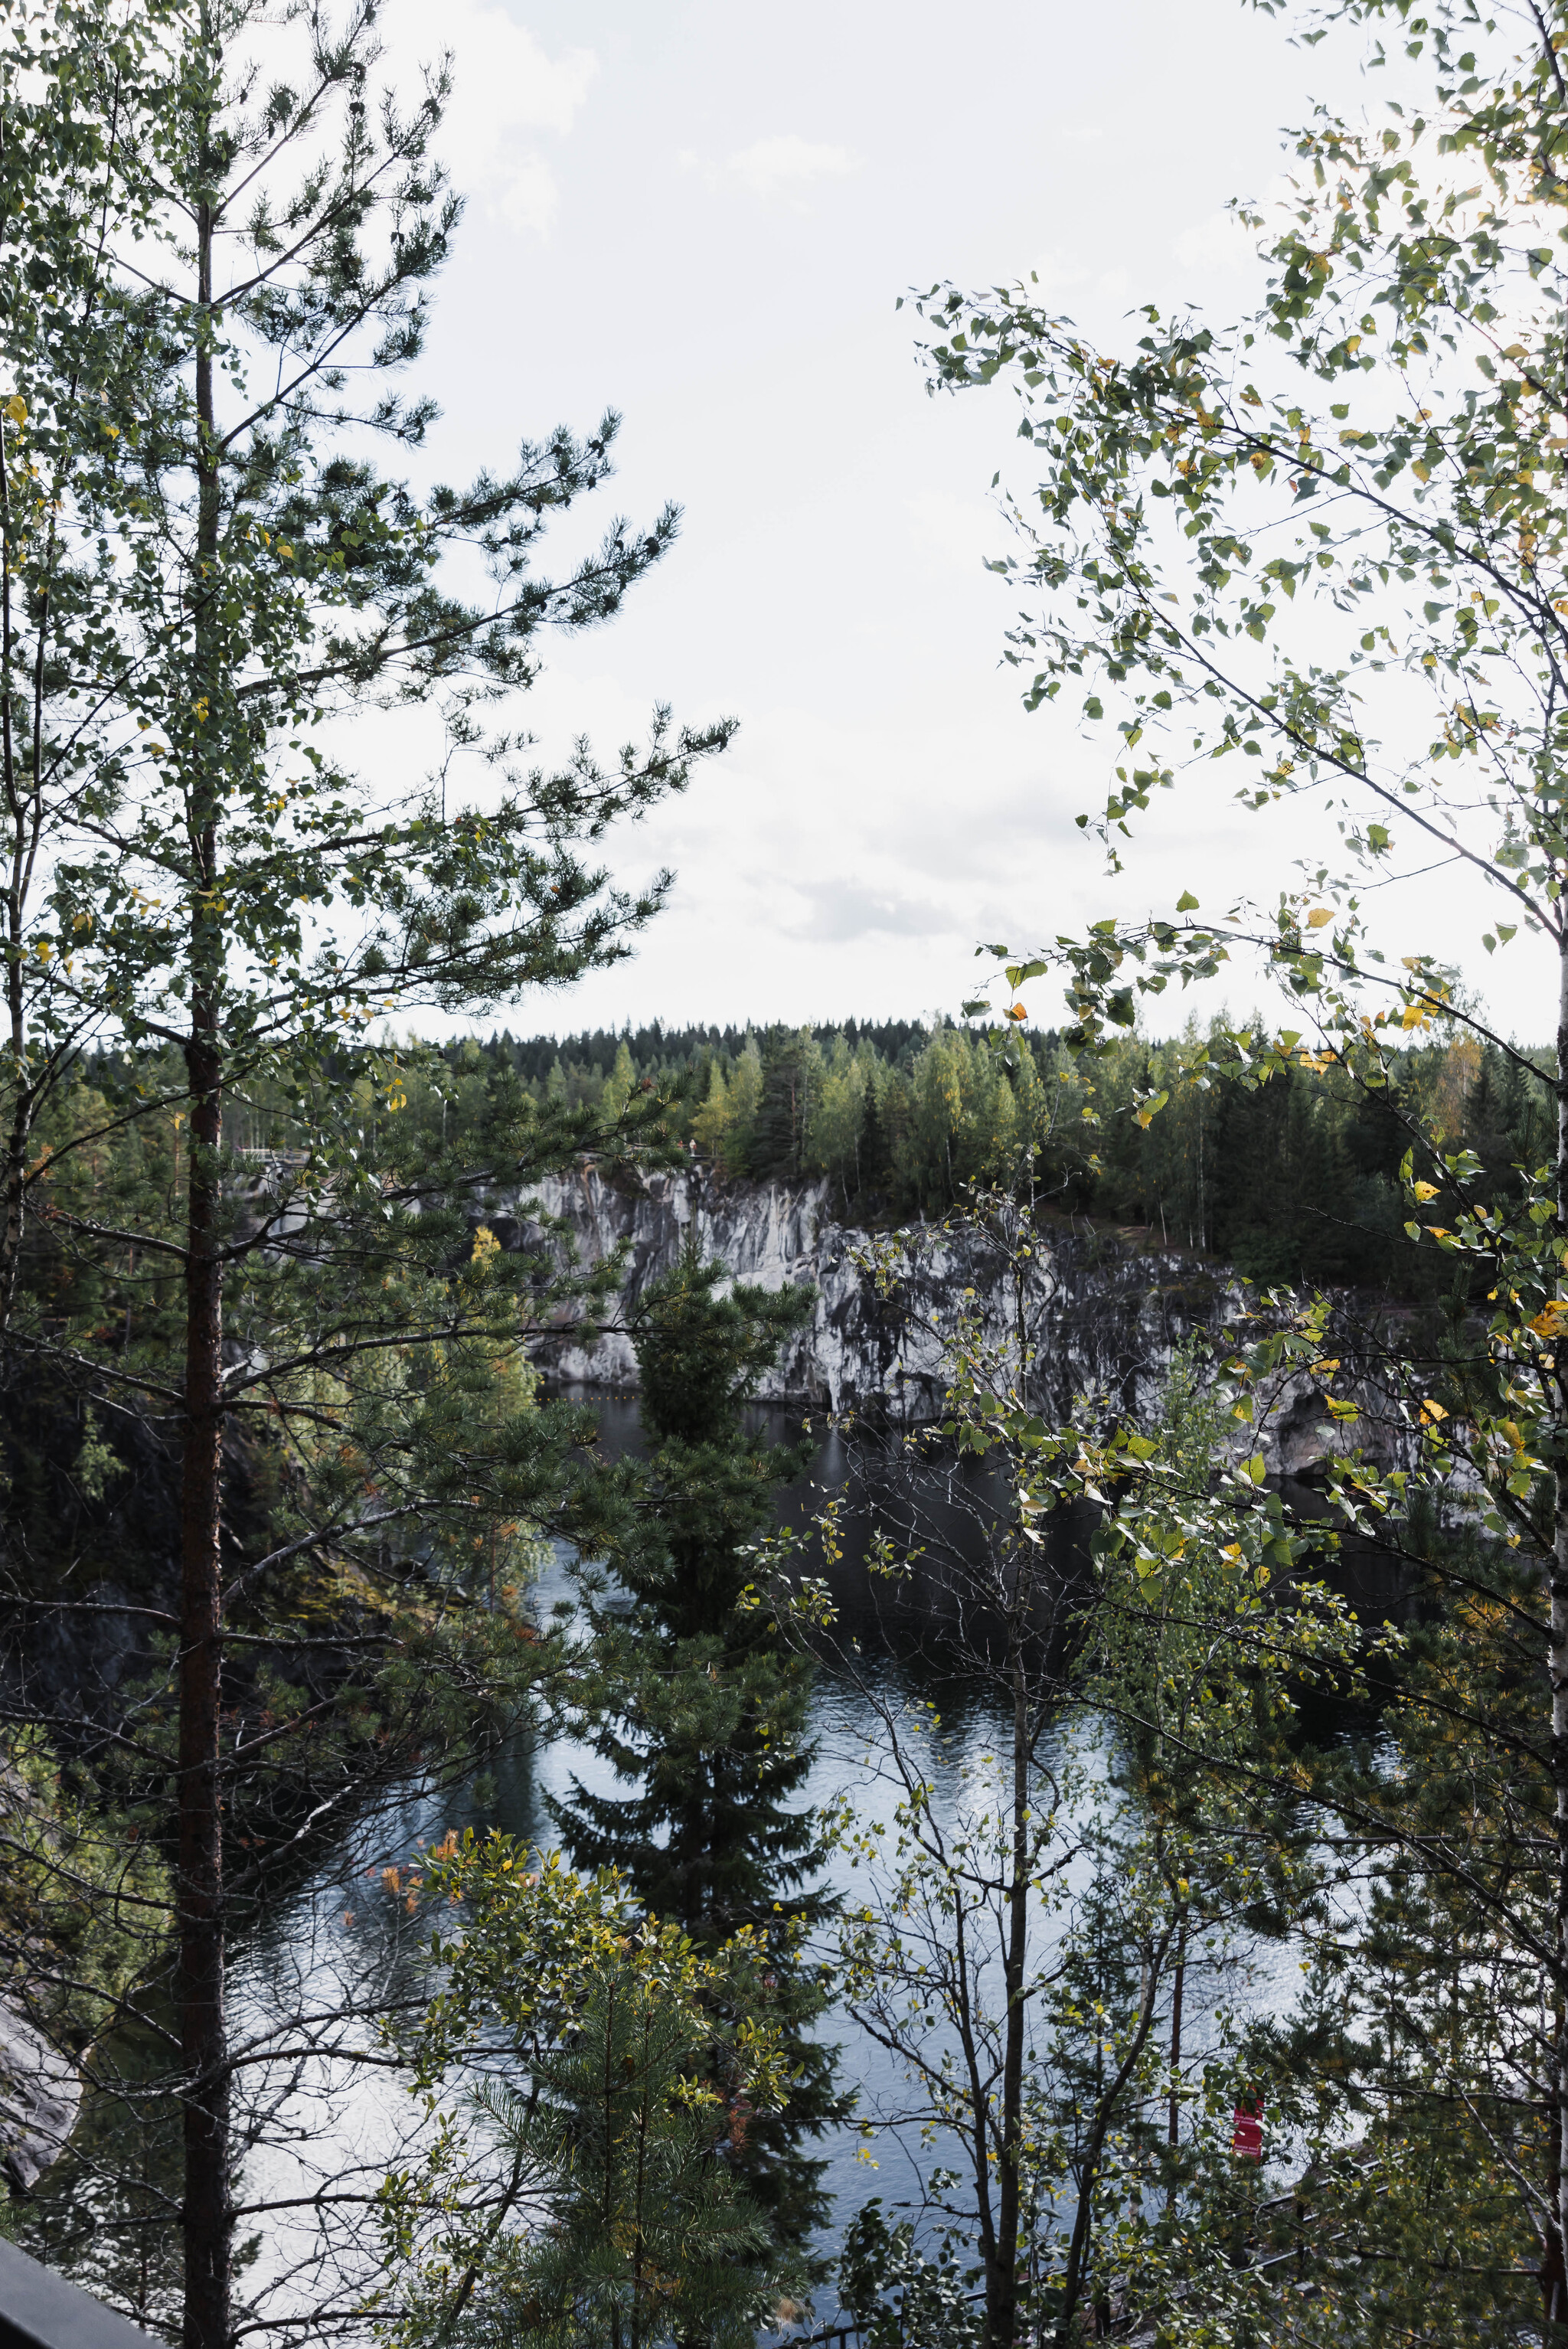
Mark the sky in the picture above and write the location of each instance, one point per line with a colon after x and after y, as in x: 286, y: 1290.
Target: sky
x: 703, y: 215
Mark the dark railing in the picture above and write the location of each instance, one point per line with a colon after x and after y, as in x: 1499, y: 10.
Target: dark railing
x: 39, y: 2310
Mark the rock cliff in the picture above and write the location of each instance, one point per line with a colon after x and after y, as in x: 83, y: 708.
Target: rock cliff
x: 1105, y: 1316
x: 39, y: 2095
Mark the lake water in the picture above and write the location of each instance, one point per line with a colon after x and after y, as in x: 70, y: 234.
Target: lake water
x: 336, y: 2115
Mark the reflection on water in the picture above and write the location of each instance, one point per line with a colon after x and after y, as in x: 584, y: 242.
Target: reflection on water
x: 329, y: 2113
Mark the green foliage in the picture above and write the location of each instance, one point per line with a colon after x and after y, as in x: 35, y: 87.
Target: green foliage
x: 211, y: 559
x: 1297, y: 1179
x: 84, y: 1893
x: 900, y: 2298
x: 648, y: 2236
x: 710, y: 1839
x: 698, y: 1709
x: 1029, y: 1919
x: 1327, y: 545
x: 589, y: 2193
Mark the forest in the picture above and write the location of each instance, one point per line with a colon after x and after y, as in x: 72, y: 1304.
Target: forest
x: 1081, y: 1857
x: 1298, y: 1181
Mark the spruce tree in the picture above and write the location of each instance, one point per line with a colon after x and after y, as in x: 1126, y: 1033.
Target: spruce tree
x: 696, y: 1707
x: 791, y: 1081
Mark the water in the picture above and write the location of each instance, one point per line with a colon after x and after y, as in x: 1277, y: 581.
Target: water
x: 338, y: 1946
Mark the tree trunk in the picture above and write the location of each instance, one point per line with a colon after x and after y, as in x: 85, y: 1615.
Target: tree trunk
x: 1178, y: 1986
x: 1557, y: 1659
x: 21, y: 813
x: 207, y: 2211
x: 1002, y: 2284
x: 207, y: 2221
x: 1106, y: 2106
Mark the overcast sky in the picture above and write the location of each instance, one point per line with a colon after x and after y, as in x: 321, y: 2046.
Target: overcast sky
x: 703, y: 214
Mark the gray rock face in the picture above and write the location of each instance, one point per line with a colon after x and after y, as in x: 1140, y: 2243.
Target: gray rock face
x: 39, y: 2095
x: 1104, y: 1317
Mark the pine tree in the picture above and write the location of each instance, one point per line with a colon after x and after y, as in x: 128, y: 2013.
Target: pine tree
x: 697, y: 1707
x: 587, y: 2197
x: 210, y: 564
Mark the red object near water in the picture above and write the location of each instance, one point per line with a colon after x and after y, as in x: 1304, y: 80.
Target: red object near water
x: 1247, y: 2134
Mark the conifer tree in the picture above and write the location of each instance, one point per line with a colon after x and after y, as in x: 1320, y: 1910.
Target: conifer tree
x: 699, y: 1708
x: 585, y: 2195
x: 209, y: 565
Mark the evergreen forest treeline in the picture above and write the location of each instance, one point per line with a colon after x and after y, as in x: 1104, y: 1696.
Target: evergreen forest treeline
x: 1297, y: 1179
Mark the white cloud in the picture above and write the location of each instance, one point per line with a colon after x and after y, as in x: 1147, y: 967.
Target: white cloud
x: 781, y: 166
x: 1218, y: 243
x: 526, y: 196
x: 841, y: 910
x: 505, y: 87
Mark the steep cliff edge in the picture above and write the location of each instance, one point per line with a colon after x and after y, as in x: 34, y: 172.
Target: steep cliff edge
x: 1104, y: 1316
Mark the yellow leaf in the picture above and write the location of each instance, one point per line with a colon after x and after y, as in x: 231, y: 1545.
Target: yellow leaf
x: 1552, y: 1319
x: 1425, y: 1191
x: 17, y: 409
x: 1431, y: 1412
x: 1318, y: 917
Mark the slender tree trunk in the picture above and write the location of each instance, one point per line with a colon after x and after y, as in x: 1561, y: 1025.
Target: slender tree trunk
x: 208, y: 2215
x: 208, y: 2223
x: 19, y: 805
x: 980, y: 2142
x: 1558, y: 1668
x: 1002, y: 2294
x: 1178, y: 1986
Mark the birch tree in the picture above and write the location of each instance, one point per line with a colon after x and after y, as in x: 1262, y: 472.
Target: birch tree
x: 1327, y: 545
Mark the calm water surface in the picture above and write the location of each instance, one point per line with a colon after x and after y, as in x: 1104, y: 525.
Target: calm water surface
x: 336, y: 2119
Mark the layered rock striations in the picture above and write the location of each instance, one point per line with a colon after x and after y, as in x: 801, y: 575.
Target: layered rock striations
x: 1104, y: 1316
